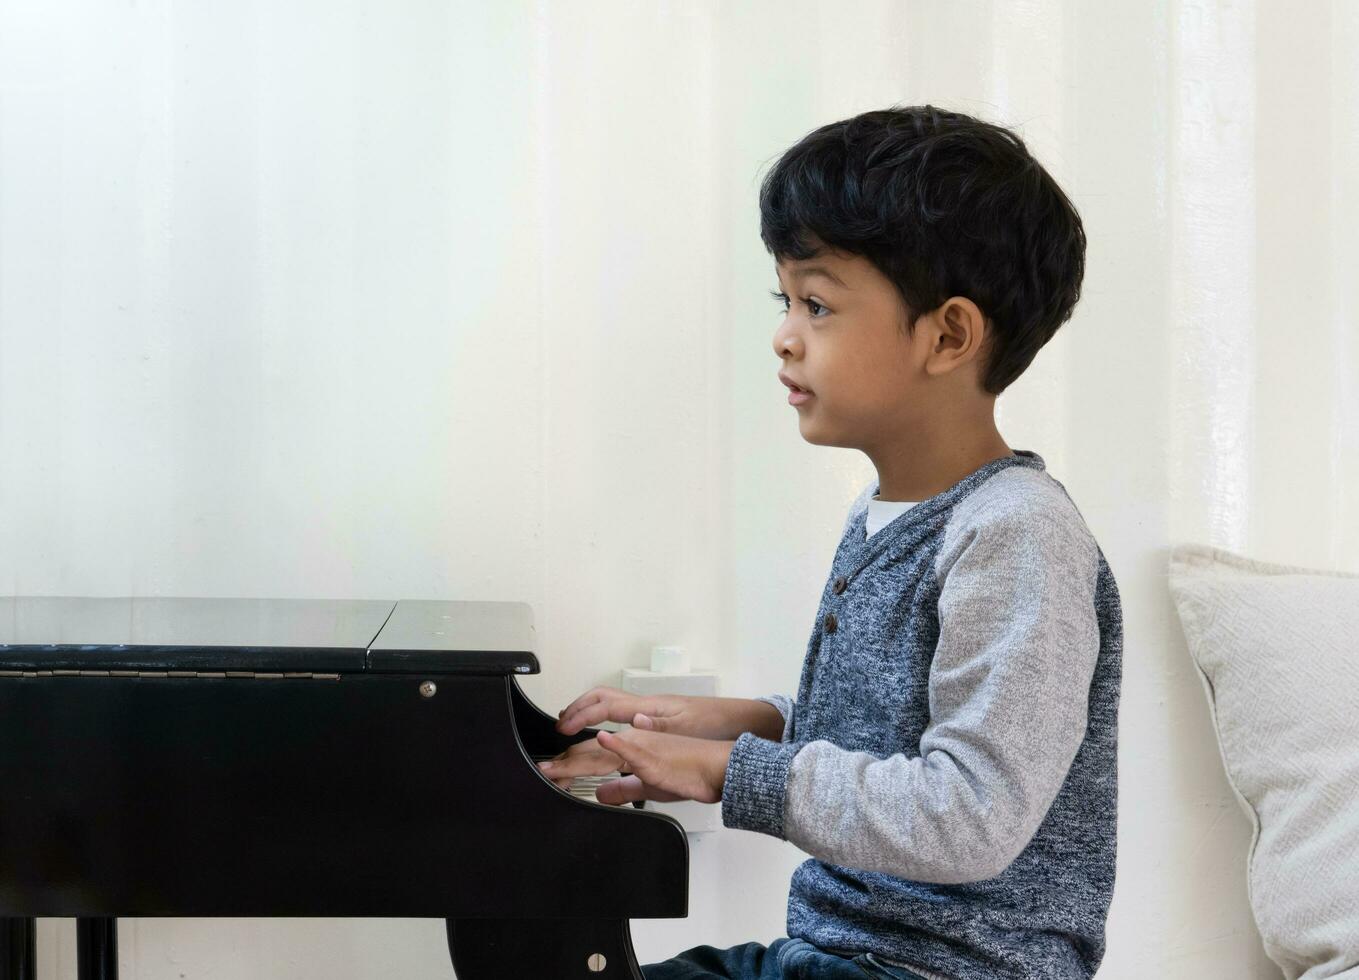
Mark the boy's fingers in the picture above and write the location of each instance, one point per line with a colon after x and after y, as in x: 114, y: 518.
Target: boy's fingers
x: 568, y: 722
x: 637, y: 758
x: 631, y: 788
x: 586, y: 699
x: 624, y: 790
x: 575, y: 749
x: 591, y: 714
x: 580, y: 761
x: 607, y: 707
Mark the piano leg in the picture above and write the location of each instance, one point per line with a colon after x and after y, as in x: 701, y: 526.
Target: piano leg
x: 564, y: 949
x: 97, y: 949
x: 18, y: 948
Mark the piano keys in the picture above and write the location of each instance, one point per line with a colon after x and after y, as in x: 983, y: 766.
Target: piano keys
x: 286, y: 757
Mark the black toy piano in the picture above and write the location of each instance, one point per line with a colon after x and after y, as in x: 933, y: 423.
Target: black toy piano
x: 289, y: 757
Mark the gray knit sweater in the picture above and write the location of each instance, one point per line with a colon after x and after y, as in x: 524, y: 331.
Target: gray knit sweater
x: 950, y: 760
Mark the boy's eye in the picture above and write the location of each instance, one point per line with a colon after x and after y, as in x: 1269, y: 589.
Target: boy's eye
x: 783, y: 298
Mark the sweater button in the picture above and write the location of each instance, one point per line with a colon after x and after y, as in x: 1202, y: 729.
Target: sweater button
x: 839, y: 584
x: 831, y: 622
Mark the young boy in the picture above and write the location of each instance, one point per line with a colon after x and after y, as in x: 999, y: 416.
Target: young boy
x: 949, y: 762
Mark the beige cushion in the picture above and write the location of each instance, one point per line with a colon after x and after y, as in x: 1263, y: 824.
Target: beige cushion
x: 1277, y: 648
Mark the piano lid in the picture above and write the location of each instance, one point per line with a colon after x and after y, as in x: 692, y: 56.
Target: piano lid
x: 265, y: 635
x: 455, y: 637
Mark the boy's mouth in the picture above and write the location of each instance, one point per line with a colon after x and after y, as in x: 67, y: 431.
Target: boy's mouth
x: 796, y: 393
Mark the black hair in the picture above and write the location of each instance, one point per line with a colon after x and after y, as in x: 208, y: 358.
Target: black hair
x: 943, y: 205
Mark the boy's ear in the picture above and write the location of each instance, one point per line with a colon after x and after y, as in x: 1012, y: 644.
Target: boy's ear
x: 959, y: 329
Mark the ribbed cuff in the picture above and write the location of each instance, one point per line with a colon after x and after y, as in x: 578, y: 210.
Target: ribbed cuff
x: 755, y: 783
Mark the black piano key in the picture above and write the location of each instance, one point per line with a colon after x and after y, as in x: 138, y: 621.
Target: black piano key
x: 18, y: 949
x: 97, y: 949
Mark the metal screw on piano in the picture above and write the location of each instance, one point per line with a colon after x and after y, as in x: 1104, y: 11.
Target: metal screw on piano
x: 243, y: 757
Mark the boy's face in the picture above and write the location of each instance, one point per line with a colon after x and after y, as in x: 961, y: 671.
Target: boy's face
x: 845, y: 342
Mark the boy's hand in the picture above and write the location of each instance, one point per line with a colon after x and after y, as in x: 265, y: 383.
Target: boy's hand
x: 664, y: 767
x: 581, y: 759
x: 658, y: 766
x: 673, y: 713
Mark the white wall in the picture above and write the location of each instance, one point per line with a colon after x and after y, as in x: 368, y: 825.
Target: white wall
x: 435, y: 300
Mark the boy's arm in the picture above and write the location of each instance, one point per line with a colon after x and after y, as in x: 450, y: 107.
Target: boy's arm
x: 675, y: 714
x: 785, y: 706
x: 1008, y: 687
x: 754, y: 715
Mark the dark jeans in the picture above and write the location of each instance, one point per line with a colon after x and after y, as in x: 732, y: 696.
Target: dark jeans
x: 784, y: 959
